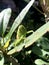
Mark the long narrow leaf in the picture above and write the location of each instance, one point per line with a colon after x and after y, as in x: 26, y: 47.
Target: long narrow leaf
x: 37, y: 34
x: 19, y: 19
x: 16, y: 49
x: 6, y: 19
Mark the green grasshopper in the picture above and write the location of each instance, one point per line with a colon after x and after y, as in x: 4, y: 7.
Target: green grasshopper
x: 21, y: 36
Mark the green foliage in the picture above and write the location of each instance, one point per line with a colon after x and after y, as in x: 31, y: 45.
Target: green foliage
x: 4, y: 42
x: 4, y: 19
x: 44, y: 43
x: 11, y: 47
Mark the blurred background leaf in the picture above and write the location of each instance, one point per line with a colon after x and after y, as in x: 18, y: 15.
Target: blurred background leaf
x: 40, y: 62
x: 1, y: 58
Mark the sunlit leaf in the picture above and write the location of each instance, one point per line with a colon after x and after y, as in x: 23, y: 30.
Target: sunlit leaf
x: 1, y: 58
x: 40, y: 62
x: 36, y: 35
x: 16, y: 49
x: 6, y: 44
x: 4, y: 19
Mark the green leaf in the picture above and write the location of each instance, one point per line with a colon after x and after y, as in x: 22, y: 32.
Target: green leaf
x: 4, y: 19
x: 41, y: 62
x: 43, y: 42
x: 41, y: 53
x: 36, y: 50
x: 1, y: 58
x: 36, y: 35
x: 16, y: 49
